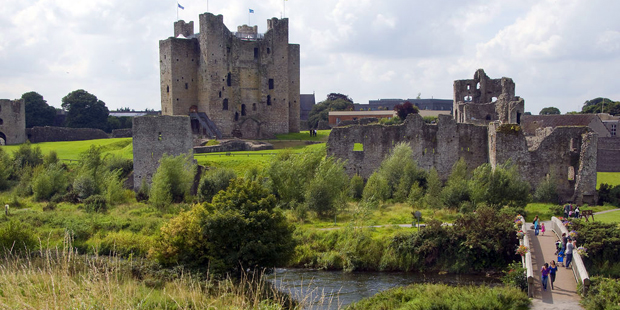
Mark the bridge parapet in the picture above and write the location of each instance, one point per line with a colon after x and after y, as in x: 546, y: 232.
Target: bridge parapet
x: 579, y: 269
x: 526, y: 260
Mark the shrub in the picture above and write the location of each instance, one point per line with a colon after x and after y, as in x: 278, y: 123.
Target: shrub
x: 240, y: 229
x: 603, y: 294
x: 50, y: 158
x: 84, y: 185
x: 499, y: 187
x: 515, y: 276
x: 376, y: 188
x: 356, y: 187
x: 143, y: 192
x: 328, y: 187
x: 546, y: 191
x: 290, y: 173
x: 49, y: 182
x: 17, y: 237
x: 96, y: 203
x: 433, y: 190
x: 214, y: 181
x: 27, y: 156
x: 456, y: 190
x: 113, y: 187
x: 116, y: 162
x: 172, y: 180
x: 5, y: 170
x: 609, y: 194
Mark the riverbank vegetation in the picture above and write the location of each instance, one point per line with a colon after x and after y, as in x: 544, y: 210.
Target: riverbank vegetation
x: 297, y: 208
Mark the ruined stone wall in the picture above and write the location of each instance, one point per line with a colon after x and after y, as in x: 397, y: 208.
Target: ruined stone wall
x: 559, y: 155
x: 121, y: 133
x: 438, y: 146
x: 155, y: 136
x: 608, y: 157
x: 13, y: 121
x: 51, y: 134
x: 249, y: 88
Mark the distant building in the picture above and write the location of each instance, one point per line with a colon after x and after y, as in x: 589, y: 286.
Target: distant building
x: 133, y: 113
x: 530, y: 123
x: 422, y: 104
x: 611, y: 122
x: 307, y: 101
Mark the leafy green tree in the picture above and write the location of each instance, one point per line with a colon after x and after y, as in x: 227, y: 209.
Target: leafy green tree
x: 49, y: 181
x: 5, y: 169
x: 172, y: 180
x: 334, y: 102
x: 85, y: 110
x: 290, y: 173
x: 26, y: 155
x: 499, y: 187
x: 550, y: 111
x: 240, y: 229
x: 328, y: 188
x: 456, y: 190
x: 356, y: 187
x: 38, y: 112
x: 601, y: 105
x: 433, y: 190
x: 213, y: 181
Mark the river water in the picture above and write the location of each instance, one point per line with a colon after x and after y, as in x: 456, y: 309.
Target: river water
x: 319, y: 289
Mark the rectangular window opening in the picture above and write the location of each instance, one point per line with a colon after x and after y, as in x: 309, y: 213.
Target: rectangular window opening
x: 270, y: 83
x: 358, y: 147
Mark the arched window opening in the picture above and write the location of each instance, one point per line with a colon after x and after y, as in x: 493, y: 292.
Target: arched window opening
x: 243, y: 109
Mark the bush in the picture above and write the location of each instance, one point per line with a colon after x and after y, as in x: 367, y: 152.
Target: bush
x: 113, y: 188
x: 27, y: 156
x: 17, y: 237
x: 143, y: 193
x: 515, y: 276
x: 356, y: 187
x: 84, y: 185
x: 603, y: 294
x: 289, y: 174
x: 49, y: 182
x: 399, y: 170
x: 50, y: 158
x: 376, y: 188
x: 546, y: 191
x: 116, y: 162
x: 214, y: 181
x: 499, y: 187
x: 172, y: 181
x: 609, y: 194
x: 456, y: 190
x: 328, y: 187
x: 5, y: 170
x: 95, y: 203
x: 240, y: 229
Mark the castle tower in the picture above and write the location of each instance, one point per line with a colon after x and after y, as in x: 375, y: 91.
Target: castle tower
x: 243, y: 83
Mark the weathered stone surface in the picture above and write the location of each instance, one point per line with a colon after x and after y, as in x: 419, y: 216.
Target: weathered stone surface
x: 122, y: 133
x: 51, y: 134
x: 233, y: 77
x: 482, y: 100
x: 155, y: 136
x: 12, y: 121
x: 608, y: 157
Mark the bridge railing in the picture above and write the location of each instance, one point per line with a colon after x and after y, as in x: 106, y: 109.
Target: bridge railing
x: 526, y: 260
x: 579, y: 269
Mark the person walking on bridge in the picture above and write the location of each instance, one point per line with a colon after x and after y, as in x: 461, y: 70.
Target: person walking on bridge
x: 569, y: 252
x: 553, y: 269
x: 545, y: 276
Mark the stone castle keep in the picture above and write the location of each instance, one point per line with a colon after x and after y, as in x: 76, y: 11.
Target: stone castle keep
x: 12, y: 121
x: 567, y: 154
x: 242, y: 84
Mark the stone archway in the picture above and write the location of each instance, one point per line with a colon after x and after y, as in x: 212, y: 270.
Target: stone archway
x: 2, y: 138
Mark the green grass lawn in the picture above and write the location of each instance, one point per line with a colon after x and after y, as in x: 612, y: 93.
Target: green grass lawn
x: 610, y: 217
x: 72, y: 149
x: 611, y: 178
x: 321, y: 135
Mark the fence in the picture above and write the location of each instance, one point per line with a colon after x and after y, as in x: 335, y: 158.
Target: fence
x: 579, y: 269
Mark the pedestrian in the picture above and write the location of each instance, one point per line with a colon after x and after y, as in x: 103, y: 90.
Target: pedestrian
x: 564, y: 240
x: 545, y: 275
x: 553, y: 269
x: 536, y: 225
x: 577, y: 212
x: 6, y: 210
x: 561, y: 258
x: 569, y: 252
x: 558, y: 247
x: 542, y: 228
x: 566, y: 210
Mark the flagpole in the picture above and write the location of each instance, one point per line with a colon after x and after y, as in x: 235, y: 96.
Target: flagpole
x: 207, y: 5
x: 284, y: 8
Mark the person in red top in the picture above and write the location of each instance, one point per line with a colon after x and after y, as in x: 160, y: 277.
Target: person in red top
x: 545, y: 275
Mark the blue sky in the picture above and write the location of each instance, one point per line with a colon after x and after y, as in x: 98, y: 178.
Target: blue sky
x: 559, y: 53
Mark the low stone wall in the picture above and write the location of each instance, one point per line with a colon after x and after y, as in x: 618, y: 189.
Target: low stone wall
x: 234, y: 146
x: 122, y: 133
x: 52, y: 134
x: 363, y: 121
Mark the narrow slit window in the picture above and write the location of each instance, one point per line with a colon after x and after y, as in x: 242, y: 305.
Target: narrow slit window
x: 270, y: 83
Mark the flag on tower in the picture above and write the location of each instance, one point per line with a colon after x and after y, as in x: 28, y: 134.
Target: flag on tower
x: 180, y: 6
x: 251, y: 11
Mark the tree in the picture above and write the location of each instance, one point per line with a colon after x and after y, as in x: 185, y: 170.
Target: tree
x: 334, y: 102
x: 326, y: 190
x: 405, y: 109
x: 550, y: 111
x: 240, y: 229
x: 172, y: 181
x: 38, y: 112
x: 85, y: 110
x: 601, y: 105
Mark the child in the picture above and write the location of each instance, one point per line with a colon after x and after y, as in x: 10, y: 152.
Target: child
x: 561, y: 258
x: 558, y: 247
x: 542, y: 228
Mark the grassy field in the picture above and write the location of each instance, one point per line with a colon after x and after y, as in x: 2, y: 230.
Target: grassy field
x: 610, y: 217
x: 611, y: 178
x: 72, y: 149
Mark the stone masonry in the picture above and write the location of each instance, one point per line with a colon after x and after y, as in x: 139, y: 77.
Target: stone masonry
x: 154, y: 136
x: 567, y: 154
x: 12, y: 121
x: 247, y: 83
x: 482, y: 100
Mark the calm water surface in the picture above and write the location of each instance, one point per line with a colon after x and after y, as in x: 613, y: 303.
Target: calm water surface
x: 336, y: 289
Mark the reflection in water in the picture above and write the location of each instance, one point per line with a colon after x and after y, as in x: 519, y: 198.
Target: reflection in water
x: 335, y: 289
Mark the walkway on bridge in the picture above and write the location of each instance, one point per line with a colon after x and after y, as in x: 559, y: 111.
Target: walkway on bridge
x: 564, y: 295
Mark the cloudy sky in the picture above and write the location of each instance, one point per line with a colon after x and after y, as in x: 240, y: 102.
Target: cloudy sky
x: 559, y: 52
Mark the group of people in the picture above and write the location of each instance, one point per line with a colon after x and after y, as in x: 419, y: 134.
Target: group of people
x: 548, y: 270
x: 570, y: 211
x: 312, y: 132
x: 564, y: 249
